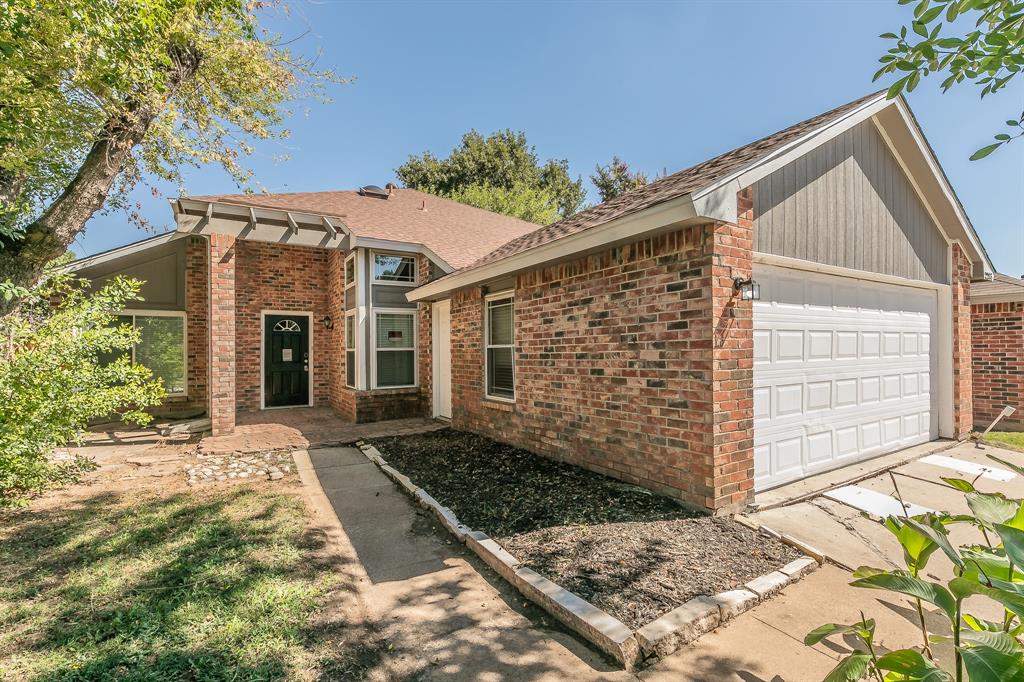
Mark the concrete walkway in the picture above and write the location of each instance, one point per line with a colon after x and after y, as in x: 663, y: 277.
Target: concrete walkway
x: 442, y: 614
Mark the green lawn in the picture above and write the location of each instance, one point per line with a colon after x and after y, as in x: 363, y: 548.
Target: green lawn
x: 1011, y: 439
x: 211, y: 585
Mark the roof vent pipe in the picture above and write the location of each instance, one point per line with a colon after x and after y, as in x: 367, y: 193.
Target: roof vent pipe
x: 391, y: 188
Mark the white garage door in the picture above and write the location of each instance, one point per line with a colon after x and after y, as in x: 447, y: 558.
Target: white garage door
x: 843, y: 371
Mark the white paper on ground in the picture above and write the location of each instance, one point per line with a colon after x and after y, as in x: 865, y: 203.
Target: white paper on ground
x: 873, y: 502
x: 970, y: 468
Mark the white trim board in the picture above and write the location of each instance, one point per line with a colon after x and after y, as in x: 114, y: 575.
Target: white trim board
x: 873, y: 502
x: 263, y: 367
x: 972, y: 469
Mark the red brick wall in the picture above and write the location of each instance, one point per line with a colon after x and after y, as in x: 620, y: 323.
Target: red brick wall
x: 997, y: 346
x: 283, y: 278
x: 962, y: 392
x: 222, y: 266
x: 614, y: 366
x: 337, y: 394
x: 425, y: 348
x: 732, y: 478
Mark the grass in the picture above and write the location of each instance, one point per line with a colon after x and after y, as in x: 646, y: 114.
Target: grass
x: 1011, y: 439
x: 217, y: 585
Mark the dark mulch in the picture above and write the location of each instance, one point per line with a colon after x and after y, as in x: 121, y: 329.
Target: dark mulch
x: 633, y: 553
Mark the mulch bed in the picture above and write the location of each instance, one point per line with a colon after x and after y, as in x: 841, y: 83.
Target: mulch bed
x: 633, y: 553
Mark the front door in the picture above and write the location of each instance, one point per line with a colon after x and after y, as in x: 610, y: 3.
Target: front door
x: 442, y: 359
x: 285, y: 360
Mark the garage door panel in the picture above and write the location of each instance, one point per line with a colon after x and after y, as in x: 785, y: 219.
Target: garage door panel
x: 842, y: 371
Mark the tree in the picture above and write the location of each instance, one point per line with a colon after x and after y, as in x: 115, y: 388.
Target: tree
x: 990, y: 54
x: 615, y: 179
x: 52, y: 382
x: 98, y: 92
x: 503, y: 160
x: 532, y: 204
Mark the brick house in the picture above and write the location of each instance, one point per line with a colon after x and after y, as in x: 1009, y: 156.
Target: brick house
x: 997, y: 341
x: 791, y: 306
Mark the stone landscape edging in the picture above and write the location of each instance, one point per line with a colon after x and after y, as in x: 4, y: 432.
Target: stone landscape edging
x: 660, y: 637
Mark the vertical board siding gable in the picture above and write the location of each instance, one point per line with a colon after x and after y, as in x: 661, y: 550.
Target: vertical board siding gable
x: 848, y: 203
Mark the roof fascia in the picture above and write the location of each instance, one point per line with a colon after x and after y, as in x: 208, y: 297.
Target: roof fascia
x: 121, y: 251
x: 255, y: 223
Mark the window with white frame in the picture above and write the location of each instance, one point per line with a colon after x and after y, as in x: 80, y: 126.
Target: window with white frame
x: 350, y: 270
x: 394, y: 269
x: 394, y: 349
x: 161, y: 347
x: 499, y: 360
x: 350, y: 349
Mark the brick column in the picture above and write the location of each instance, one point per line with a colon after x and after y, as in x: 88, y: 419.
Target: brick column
x: 962, y: 374
x: 732, y: 385
x: 222, y: 333
x: 425, y: 348
x: 197, y: 302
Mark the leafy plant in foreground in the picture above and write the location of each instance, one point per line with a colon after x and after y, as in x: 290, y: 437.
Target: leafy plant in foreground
x: 982, y: 650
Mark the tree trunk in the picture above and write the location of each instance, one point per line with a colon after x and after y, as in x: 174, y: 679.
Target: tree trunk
x: 50, y: 235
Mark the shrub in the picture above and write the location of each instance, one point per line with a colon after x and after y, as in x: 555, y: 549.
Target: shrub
x: 52, y: 381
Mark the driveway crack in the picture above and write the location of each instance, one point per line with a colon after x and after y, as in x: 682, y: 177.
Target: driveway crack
x: 848, y: 525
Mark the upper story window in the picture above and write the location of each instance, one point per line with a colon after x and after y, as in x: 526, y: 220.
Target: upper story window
x: 394, y: 269
x: 350, y: 270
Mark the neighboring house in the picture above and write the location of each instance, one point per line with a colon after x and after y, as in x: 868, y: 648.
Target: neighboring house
x: 623, y: 339
x: 997, y: 338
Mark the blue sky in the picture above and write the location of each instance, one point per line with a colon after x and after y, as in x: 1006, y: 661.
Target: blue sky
x: 663, y: 85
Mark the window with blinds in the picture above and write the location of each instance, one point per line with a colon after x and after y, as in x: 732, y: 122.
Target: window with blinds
x: 395, y: 349
x: 500, y: 363
x: 350, y: 351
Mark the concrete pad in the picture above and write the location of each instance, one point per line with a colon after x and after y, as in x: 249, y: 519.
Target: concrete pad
x: 874, y: 502
x: 839, y: 531
x: 799, y: 490
x: 919, y: 494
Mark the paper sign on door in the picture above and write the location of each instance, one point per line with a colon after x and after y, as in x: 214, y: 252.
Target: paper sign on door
x: 286, y: 355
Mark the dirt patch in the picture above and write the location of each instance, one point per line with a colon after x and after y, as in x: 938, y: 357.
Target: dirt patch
x: 633, y: 553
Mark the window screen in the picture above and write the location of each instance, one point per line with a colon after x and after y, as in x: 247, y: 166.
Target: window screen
x: 500, y: 355
x: 395, y: 348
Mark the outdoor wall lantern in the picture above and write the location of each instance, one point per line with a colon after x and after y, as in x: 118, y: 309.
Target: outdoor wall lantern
x: 328, y: 322
x: 748, y: 288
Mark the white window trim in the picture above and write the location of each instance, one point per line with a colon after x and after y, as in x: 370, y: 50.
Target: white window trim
x: 355, y: 270
x: 184, y: 325
x: 263, y: 365
x: 355, y: 349
x: 415, y: 269
x: 412, y: 312
x: 509, y: 294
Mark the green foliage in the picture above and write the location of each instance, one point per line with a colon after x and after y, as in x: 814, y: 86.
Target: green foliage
x: 984, y: 650
x: 990, y: 53
x: 51, y: 383
x: 532, y: 204
x: 502, y: 160
x: 615, y: 178
x: 70, y: 68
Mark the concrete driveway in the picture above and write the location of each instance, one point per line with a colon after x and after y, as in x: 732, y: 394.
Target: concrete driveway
x: 765, y: 644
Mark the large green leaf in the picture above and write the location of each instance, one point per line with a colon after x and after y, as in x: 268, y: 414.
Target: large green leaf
x: 982, y: 625
x: 991, y: 509
x: 852, y: 668
x: 999, y: 640
x: 992, y: 563
x: 912, y: 665
x: 932, y: 593
x: 865, y: 630
x: 985, y: 664
x: 930, y: 527
x: 959, y: 483
x: 1013, y: 542
x: 1012, y: 601
x: 917, y: 546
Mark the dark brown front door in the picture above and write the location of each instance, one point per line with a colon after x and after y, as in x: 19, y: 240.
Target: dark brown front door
x: 286, y: 360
